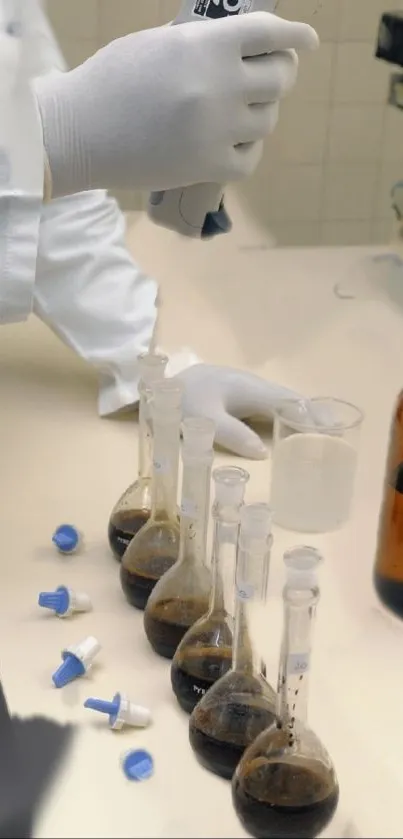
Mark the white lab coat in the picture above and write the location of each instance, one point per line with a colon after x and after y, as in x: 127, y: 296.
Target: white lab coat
x: 65, y: 261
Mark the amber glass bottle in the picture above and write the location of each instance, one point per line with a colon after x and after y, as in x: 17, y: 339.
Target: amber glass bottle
x: 388, y: 574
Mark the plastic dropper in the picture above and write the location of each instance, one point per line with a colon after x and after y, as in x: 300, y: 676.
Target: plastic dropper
x: 64, y: 602
x: 121, y: 711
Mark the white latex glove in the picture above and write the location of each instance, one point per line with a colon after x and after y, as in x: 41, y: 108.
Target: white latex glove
x: 229, y: 396
x: 171, y: 106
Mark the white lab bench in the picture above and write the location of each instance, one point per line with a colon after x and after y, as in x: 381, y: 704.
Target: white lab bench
x: 234, y: 301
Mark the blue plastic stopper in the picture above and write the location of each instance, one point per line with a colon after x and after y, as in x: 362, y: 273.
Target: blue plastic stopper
x: 104, y: 707
x: 66, y: 538
x: 58, y: 601
x: 138, y: 765
x: 70, y: 669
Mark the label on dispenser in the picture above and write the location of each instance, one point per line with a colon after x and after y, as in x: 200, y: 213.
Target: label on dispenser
x: 298, y: 664
x: 221, y: 8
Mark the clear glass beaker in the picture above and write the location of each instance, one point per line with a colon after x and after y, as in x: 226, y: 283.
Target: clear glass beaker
x: 285, y: 785
x: 133, y: 509
x: 182, y: 595
x: 155, y: 548
x: 205, y: 652
x: 315, y: 448
x: 240, y: 704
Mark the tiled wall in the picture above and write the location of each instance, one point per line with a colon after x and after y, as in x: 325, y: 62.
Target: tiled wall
x: 338, y: 149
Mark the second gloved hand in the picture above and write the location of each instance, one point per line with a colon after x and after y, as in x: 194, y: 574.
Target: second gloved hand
x: 171, y: 106
x: 229, y: 396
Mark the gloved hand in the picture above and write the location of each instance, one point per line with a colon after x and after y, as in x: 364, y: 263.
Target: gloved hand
x: 171, y: 106
x: 229, y: 396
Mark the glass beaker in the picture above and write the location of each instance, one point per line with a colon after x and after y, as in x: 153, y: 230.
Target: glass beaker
x: 205, y: 652
x: 133, y: 509
x: 155, y: 547
x: 314, y: 463
x: 285, y: 785
x: 182, y: 595
x: 388, y: 571
x: 240, y: 704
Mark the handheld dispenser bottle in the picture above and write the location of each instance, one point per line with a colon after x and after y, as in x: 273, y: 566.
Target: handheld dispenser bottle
x: 285, y: 785
x: 133, y: 509
x: 155, y: 547
x: 241, y: 704
x: 182, y: 595
x: 205, y: 652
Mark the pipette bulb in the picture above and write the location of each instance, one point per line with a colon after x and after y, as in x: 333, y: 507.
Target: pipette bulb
x: 66, y: 538
x: 121, y: 711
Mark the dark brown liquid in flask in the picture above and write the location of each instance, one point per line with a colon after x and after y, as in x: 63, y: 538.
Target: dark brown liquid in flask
x: 137, y: 585
x: 388, y: 572
x: 167, y: 622
x: 198, y: 668
x: 123, y: 525
x: 260, y: 796
x: 219, y: 734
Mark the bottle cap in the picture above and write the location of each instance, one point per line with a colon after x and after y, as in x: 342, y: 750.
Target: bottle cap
x: 138, y: 765
x: 66, y: 538
x: 198, y: 436
x: 302, y: 564
x: 64, y: 602
x: 121, y: 711
x: 256, y: 521
x: 230, y: 485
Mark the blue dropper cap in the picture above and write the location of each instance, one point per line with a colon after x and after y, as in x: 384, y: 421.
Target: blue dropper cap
x: 58, y: 601
x: 105, y: 707
x: 66, y: 538
x: 138, y: 765
x: 70, y: 669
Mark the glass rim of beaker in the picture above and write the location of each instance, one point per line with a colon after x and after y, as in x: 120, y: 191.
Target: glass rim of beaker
x: 317, y: 426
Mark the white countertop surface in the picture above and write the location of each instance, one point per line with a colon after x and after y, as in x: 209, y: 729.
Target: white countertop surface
x: 234, y: 301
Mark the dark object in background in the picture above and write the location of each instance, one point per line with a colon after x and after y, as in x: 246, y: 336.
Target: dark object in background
x: 396, y: 90
x: 390, y: 38
x: 31, y: 751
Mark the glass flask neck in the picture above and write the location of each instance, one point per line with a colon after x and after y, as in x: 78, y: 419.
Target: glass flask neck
x: 195, y: 509
x: 146, y: 438
x: 252, y: 576
x: 293, y: 678
x: 165, y: 466
x: 225, y: 538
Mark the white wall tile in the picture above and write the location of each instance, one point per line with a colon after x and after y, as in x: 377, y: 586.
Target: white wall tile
x: 296, y: 233
x: 76, y: 51
x: 355, y: 133
x: 119, y: 17
x: 360, y: 19
x: 359, y: 76
x: 346, y: 232
x: 300, y: 136
x: 382, y: 231
x: 324, y: 15
x: 315, y: 74
x: 349, y: 192
x: 287, y: 193
x: 74, y: 18
x: 393, y: 136
x: 168, y: 10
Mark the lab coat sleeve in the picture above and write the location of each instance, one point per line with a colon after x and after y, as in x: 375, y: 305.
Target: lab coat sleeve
x: 21, y: 173
x: 88, y: 288
x: 92, y: 294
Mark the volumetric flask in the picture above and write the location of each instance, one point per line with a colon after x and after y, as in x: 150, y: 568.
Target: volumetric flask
x: 285, y: 785
x: 388, y: 573
x: 182, y: 595
x: 155, y: 547
x: 205, y: 653
x: 314, y: 463
x: 241, y: 704
x: 133, y: 509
